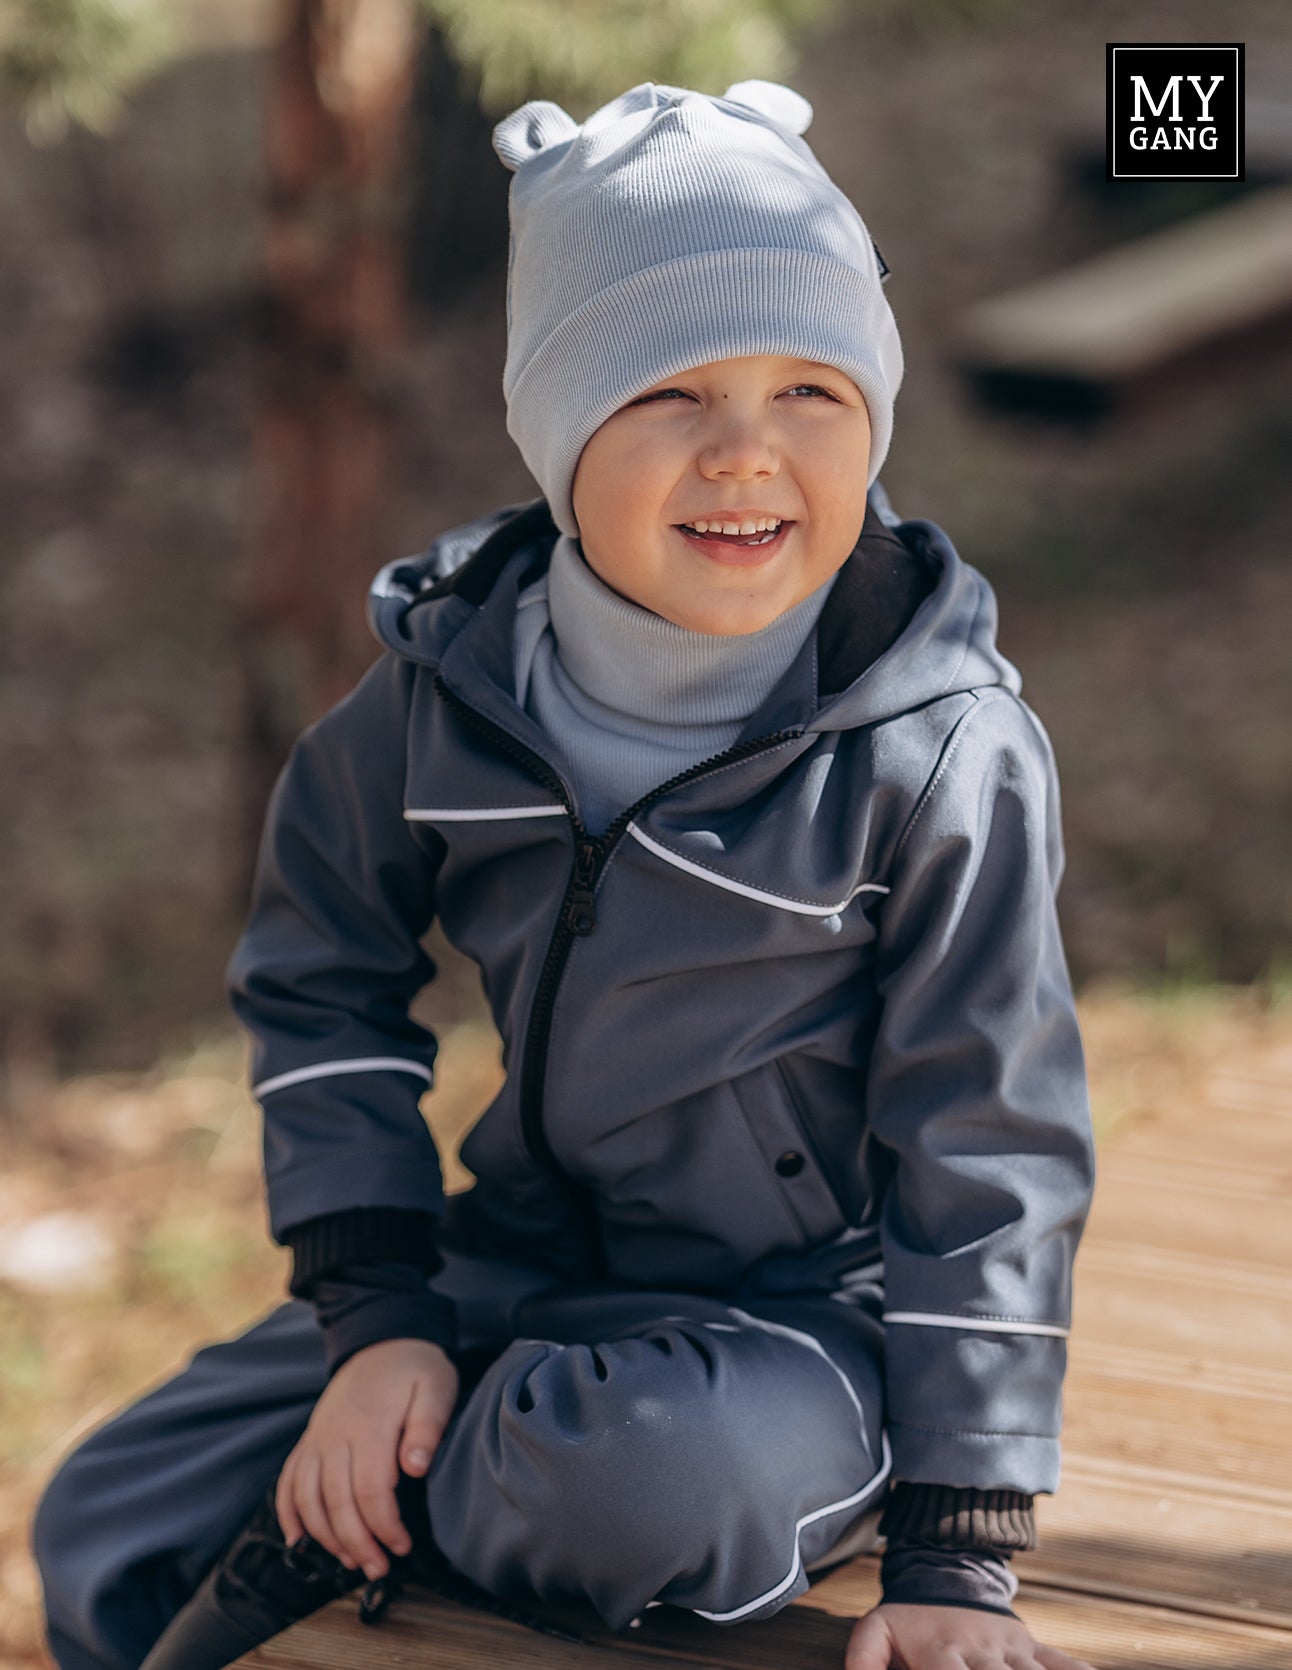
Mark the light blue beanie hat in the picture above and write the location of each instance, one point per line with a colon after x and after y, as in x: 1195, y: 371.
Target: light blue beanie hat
x: 670, y: 229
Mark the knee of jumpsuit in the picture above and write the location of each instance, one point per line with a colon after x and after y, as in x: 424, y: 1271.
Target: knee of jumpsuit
x: 135, y: 1515
x: 693, y: 1464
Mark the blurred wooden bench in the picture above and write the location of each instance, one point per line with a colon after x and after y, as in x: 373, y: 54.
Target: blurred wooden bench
x: 1131, y: 325
x: 1169, y: 1543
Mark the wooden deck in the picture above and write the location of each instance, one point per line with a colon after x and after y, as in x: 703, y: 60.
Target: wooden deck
x: 1169, y: 1544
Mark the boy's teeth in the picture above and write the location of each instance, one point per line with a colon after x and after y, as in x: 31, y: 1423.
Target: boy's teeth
x: 762, y: 525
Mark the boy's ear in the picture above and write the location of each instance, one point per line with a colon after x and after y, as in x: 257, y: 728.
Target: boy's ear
x: 532, y: 129
x: 783, y: 105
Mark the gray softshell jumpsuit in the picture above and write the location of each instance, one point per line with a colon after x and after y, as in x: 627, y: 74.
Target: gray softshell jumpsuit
x: 782, y: 1191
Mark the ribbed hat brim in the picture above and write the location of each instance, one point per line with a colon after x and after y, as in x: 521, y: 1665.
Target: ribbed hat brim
x: 718, y: 304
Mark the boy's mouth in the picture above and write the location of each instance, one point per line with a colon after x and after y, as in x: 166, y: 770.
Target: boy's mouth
x: 724, y: 546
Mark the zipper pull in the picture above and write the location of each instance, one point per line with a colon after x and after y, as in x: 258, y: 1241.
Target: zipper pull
x: 580, y: 909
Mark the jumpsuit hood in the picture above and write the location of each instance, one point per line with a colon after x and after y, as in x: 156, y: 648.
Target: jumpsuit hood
x: 907, y: 621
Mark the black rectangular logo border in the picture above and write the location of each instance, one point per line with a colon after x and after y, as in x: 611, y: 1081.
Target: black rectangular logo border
x: 1237, y: 47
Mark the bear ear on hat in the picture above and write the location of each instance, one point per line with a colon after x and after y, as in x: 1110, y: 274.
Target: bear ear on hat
x: 531, y: 129
x: 783, y: 105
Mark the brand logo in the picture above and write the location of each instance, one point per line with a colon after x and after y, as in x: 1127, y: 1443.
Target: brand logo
x: 1175, y: 112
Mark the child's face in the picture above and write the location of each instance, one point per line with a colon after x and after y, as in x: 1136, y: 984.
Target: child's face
x: 760, y: 435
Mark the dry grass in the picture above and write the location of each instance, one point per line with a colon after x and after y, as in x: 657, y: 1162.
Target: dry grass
x: 132, y: 1229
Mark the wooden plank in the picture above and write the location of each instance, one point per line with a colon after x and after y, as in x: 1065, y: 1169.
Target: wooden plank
x: 1213, y: 1418
x: 1200, y: 1207
x: 1129, y: 314
x: 1117, y: 313
x: 1194, y: 1309
x: 1167, y: 1538
x: 1208, y: 1132
x: 1255, y: 1091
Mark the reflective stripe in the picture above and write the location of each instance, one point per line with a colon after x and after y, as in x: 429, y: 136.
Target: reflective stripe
x: 984, y: 1324
x: 478, y: 814
x: 857, y: 1497
x: 328, y: 1069
x: 777, y: 899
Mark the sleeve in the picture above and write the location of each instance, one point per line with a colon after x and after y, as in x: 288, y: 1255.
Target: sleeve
x: 322, y: 979
x: 977, y: 1094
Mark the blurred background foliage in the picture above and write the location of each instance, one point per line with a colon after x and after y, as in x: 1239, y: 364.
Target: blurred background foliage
x: 581, y: 54
x: 64, y: 62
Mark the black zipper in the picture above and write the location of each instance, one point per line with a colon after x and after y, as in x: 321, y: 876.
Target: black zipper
x: 578, y: 917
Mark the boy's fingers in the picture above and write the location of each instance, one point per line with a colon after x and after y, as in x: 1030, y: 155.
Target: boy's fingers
x: 869, y: 1646
x: 355, y: 1543
x: 312, y: 1509
x: 423, y: 1430
x: 1050, y: 1658
x: 307, y: 1503
x: 373, y: 1476
x: 284, y: 1506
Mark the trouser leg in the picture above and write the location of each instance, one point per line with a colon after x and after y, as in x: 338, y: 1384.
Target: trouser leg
x: 136, y: 1515
x: 528, y: 1491
x: 133, y: 1518
x: 663, y: 1448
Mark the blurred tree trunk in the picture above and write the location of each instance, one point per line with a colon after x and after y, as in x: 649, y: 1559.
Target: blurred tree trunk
x: 332, y: 323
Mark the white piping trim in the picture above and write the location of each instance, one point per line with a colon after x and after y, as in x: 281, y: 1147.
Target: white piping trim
x: 478, y: 814
x: 777, y: 899
x: 327, y: 1069
x: 885, y: 1467
x: 984, y: 1324
x: 809, y: 1340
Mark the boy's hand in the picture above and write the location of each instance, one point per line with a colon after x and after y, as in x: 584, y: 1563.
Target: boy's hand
x: 948, y: 1638
x: 385, y: 1408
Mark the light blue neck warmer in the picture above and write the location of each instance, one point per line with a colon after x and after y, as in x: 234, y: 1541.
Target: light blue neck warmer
x: 632, y: 698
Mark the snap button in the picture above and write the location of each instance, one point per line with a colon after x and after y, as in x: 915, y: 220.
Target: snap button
x: 790, y: 1163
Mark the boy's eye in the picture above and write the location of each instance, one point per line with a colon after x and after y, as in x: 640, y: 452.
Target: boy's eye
x: 660, y: 394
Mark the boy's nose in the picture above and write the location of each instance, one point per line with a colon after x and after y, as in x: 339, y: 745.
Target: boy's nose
x: 739, y: 447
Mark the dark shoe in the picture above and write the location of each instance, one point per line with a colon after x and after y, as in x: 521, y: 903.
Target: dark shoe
x: 260, y: 1587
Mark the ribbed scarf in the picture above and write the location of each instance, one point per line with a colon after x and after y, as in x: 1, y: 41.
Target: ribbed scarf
x: 633, y: 698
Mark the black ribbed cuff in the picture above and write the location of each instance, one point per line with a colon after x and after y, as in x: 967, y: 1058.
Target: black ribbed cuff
x: 945, y: 1516
x: 366, y: 1235
x: 362, y: 1304
x: 386, y: 1316
x: 975, y: 1578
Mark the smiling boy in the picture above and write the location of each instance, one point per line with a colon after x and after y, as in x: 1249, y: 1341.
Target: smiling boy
x: 799, y: 454
x: 715, y: 770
